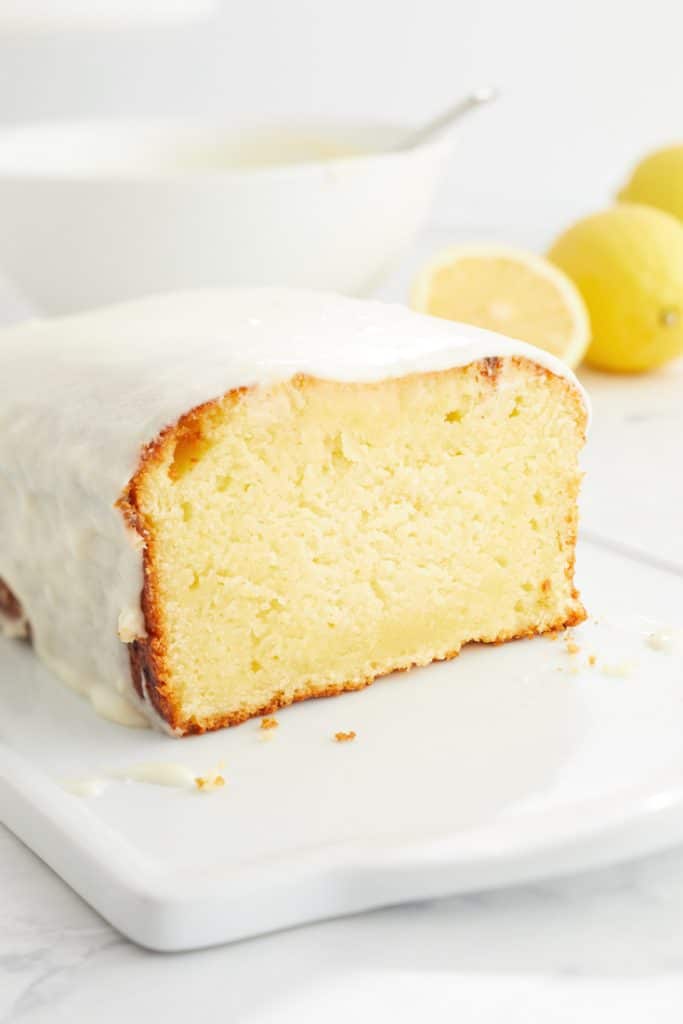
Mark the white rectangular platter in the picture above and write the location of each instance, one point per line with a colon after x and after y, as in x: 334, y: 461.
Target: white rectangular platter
x: 508, y: 763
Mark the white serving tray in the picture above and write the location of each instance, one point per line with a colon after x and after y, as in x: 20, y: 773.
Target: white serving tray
x: 501, y: 766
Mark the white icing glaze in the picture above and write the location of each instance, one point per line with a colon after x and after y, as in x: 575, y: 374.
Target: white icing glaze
x: 86, y: 787
x: 115, y: 707
x: 131, y: 625
x: 81, y: 395
x: 172, y: 774
x: 160, y: 773
x: 619, y: 669
x: 665, y: 640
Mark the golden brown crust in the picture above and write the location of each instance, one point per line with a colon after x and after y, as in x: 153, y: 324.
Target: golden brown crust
x: 148, y: 661
x: 9, y: 604
x: 491, y: 368
x: 11, y: 609
x: 141, y: 663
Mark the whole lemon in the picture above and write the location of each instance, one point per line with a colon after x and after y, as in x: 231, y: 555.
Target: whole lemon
x: 627, y: 262
x: 658, y: 181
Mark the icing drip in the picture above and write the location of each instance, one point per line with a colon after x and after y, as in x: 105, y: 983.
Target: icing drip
x: 664, y: 640
x: 160, y: 773
x: 110, y: 381
x: 171, y: 774
x: 87, y: 788
x: 110, y: 705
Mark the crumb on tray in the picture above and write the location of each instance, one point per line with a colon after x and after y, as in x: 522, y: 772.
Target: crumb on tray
x: 618, y: 669
x: 345, y: 737
x: 213, y: 780
x: 206, y: 784
x: 269, y: 723
x: 661, y: 640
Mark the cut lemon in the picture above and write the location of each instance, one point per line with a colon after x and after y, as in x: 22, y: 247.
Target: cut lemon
x: 507, y: 290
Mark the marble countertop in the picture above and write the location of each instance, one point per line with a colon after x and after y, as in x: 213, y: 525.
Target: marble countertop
x: 604, y: 946
x: 607, y: 945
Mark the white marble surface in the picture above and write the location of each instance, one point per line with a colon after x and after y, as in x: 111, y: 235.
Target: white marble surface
x: 607, y: 946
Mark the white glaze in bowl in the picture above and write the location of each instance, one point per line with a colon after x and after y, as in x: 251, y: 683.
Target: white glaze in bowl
x: 97, y: 212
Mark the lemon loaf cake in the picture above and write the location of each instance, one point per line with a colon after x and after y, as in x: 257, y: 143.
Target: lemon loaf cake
x: 216, y: 503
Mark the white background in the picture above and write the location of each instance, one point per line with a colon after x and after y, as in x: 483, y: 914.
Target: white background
x: 589, y: 85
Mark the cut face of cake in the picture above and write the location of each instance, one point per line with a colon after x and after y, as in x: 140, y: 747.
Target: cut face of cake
x: 305, y: 538
x: 255, y: 497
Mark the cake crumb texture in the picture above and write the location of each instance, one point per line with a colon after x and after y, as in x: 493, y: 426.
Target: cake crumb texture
x: 304, y: 538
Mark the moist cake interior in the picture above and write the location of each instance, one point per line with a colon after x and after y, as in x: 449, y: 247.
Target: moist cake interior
x: 306, y: 537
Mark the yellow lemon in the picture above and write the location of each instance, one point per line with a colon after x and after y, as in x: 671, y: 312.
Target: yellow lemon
x: 658, y: 181
x: 508, y: 290
x: 627, y: 262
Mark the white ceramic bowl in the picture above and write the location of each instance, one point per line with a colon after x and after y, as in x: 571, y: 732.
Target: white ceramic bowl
x: 52, y: 15
x: 100, y: 211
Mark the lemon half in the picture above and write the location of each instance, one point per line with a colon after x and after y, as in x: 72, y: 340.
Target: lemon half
x: 514, y: 292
